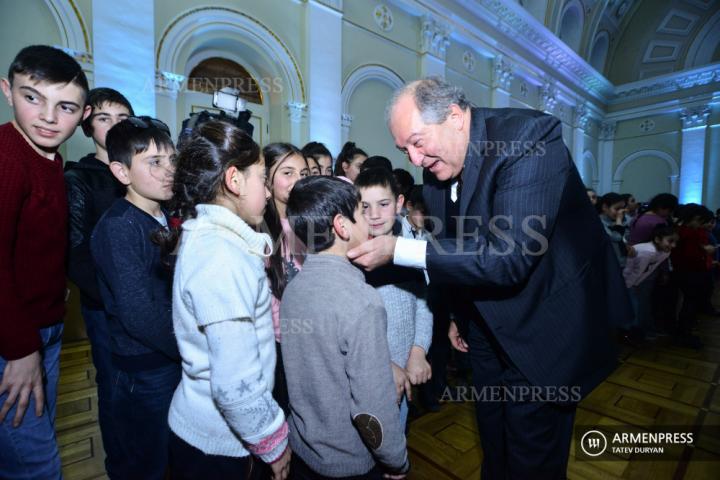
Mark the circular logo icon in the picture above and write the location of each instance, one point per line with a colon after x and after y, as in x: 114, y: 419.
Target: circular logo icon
x: 593, y: 443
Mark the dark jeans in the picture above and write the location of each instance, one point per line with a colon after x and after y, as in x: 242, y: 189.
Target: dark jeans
x: 99, y: 335
x: 140, y: 404
x: 30, y: 451
x: 520, y: 439
x: 190, y: 463
x: 300, y: 471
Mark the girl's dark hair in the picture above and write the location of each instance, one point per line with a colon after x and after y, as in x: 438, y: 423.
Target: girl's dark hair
x: 377, y: 177
x: 663, y: 230
x: 686, y: 213
x: 405, y: 180
x: 313, y: 204
x: 96, y: 99
x: 275, y: 154
x: 347, y: 154
x: 664, y: 201
x: 316, y: 150
x: 377, y: 161
x: 200, y: 171
x: 608, y: 200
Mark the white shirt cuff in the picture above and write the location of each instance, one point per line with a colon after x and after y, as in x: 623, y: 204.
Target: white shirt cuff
x: 410, y: 253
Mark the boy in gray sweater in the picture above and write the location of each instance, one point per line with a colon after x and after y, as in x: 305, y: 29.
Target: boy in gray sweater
x: 344, y: 419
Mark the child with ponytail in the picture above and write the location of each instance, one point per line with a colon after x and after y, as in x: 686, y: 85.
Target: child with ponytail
x: 223, y: 414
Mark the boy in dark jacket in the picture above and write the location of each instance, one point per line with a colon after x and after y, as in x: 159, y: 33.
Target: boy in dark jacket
x: 91, y: 189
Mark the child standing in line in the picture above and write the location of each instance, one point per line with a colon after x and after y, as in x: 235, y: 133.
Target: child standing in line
x: 284, y: 166
x: 344, y: 412
x: 135, y: 287
x: 322, y: 156
x: 223, y: 413
x: 403, y: 290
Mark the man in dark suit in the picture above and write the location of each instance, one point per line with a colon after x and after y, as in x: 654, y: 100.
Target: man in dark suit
x: 529, y: 267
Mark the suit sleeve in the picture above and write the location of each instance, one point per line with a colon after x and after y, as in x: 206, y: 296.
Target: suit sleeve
x: 529, y: 187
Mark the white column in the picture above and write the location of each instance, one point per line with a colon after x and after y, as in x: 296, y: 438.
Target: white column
x: 501, y: 82
x: 605, y: 156
x: 345, y: 124
x: 674, y: 184
x: 434, y: 39
x: 578, y: 134
x: 123, y: 50
x: 692, y: 163
x: 167, y: 86
x: 324, y: 66
x: 297, y: 114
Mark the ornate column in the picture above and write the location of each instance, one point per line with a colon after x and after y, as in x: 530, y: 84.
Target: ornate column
x: 324, y: 66
x: 167, y: 86
x: 580, y: 123
x: 434, y: 39
x: 297, y: 114
x: 547, y: 98
x: 123, y: 50
x: 692, y: 162
x: 501, y: 82
x: 605, y: 155
x: 345, y: 124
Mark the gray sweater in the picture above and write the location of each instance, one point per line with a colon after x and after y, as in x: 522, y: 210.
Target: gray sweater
x: 344, y: 415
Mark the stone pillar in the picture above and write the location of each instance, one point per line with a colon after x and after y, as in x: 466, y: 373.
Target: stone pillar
x: 297, y: 114
x: 605, y: 156
x: 123, y: 49
x: 501, y: 82
x: 167, y: 86
x: 345, y: 124
x: 578, y: 134
x: 434, y: 39
x: 692, y: 162
x: 324, y: 66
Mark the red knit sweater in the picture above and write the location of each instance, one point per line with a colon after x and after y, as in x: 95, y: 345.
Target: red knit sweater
x: 33, y: 237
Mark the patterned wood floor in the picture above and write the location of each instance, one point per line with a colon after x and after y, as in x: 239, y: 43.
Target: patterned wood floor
x: 659, y: 385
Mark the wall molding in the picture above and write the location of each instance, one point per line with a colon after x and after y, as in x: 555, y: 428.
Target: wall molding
x: 364, y: 73
x: 672, y: 163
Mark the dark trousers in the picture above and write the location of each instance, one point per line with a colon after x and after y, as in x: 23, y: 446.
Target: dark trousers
x: 300, y: 471
x: 694, y: 287
x: 190, y: 463
x: 520, y: 439
x: 99, y: 336
x: 280, y: 388
x: 140, y: 405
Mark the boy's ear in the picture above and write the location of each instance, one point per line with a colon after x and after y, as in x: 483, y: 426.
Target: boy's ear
x: 7, y: 90
x: 340, y: 227
x: 121, y: 172
x: 399, y: 203
x: 86, y: 113
x: 234, y: 181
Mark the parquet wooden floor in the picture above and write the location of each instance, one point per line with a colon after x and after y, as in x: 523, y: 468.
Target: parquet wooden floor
x: 656, y: 385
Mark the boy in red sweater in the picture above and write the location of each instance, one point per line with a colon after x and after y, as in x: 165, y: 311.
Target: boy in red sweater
x: 46, y: 89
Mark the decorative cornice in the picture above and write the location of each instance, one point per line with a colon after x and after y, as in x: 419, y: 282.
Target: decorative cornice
x: 582, y: 116
x: 346, y: 120
x: 547, y: 99
x: 502, y: 73
x: 297, y: 111
x: 607, y: 130
x: 168, y: 82
x: 694, y: 117
x: 434, y: 37
x: 336, y: 5
x: 668, y: 83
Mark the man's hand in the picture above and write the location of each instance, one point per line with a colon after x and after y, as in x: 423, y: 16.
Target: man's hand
x: 21, y: 378
x: 402, y: 382
x: 374, y: 253
x: 418, y: 369
x: 455, y: 339
x: 281, y: 466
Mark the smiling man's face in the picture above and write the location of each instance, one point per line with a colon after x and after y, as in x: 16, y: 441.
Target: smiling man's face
x: 439, y: 148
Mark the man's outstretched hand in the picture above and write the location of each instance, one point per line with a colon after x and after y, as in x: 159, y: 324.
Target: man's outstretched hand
x: 374, y: 253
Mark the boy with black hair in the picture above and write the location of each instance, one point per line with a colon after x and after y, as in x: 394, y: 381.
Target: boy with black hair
x: 46, y: 89
x: 342, y: 397
x: 136, y: 291
x: 91, y: 189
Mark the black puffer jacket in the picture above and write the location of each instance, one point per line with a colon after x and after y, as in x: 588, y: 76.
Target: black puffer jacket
x: 91, y: 189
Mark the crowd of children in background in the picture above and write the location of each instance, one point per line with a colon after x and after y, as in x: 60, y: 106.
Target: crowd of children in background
x: 670, y: 259
x: 230, y: 334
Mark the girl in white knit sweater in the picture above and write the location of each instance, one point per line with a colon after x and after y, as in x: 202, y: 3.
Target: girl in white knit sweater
x: 223, y: 414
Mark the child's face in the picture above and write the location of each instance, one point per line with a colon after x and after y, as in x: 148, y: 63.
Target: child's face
x: 325, y: 163
x: 358, y: 230
x: 150, y: 174
x: 416, y: 216
x: 666, y: 244
x: 380, y: 207
x: 285, y: 174
x: 614, y: 211
x: 314, y: 166
x: 46, y: 113
x: 104, y: 117
x: 255, y: 193
x: 352, y: 169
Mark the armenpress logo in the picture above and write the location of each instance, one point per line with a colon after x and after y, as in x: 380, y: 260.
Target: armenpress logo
x: 593, y: 443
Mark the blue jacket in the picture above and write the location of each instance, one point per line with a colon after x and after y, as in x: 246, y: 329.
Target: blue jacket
x: 136, y: 288
x: 540, y: 270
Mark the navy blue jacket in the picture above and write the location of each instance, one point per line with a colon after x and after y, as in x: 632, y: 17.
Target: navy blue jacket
x: 136, y: 288
x: 539, y: 269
